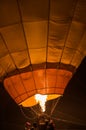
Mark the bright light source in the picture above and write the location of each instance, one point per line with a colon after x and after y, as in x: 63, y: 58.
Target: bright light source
x: 41, y: 99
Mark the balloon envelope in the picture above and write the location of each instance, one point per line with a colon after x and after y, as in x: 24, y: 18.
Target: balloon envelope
x: 41, y: 45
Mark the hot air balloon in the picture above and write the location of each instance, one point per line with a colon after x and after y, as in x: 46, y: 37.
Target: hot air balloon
x: 42, y: 42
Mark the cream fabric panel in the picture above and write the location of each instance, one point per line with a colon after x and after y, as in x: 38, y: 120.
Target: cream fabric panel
x: 57, y: 33
x: 14, y: 37
x: 7, y: 64
x: 35, y: 16
x: 76, y: 43
x: 61, y: 12
x: 75, y: 35
x: 61, y: 8
x: 2, y: 72
x: 21, y: 59
x: 36, y: 34
x: 3, y: 49
x: 54, y: 54
x: 34, y: 10
x: 67, y: 55
x: 80, y: 12
x: 82, y: 45
x: 37, y: 55
x: 77, y: 58
x: 15, y: 43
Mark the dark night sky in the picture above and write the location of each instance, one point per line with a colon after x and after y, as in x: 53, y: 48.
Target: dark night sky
x: 70, y: 109
x: 73, y: 103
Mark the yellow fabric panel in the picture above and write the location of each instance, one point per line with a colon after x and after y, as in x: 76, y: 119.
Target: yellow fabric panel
x: 25, y: 96
x: 14, y: 37
x: 52, y: 96
x: 37, y: 55
x: 29, y: 102
x: 21, y: 59
x: 36, y: 34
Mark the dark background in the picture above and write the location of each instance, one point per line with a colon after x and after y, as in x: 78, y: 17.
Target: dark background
x: 69, y: 113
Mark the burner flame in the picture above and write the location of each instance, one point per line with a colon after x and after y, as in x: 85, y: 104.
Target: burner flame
x: 41, y: 99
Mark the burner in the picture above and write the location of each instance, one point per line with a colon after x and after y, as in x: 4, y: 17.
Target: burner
x: 43, y: 122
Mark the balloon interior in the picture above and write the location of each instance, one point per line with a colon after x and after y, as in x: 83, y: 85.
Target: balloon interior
x: 42, y: 43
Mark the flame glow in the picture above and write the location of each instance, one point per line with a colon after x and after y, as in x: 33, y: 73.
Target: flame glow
x: 41, y: 99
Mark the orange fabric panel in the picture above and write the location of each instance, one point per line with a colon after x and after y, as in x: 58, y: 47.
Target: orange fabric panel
x: 50, y: 77
x: 23, y: 96
x: 27, y: 84
x: 10, y: 88
x: 17, y: 84
x: 39, y: 76
x: 18, y: 100
x: 42, y: 91
x: 31, y: 93
x: 50, y: 90
x: 63, y: 77
x: 59, y: 91
x: 28, y: 81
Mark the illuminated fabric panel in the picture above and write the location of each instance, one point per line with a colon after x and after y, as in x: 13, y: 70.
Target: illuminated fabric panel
x: 36, y: 32
x: 42, y: 43
x: 24, y: 85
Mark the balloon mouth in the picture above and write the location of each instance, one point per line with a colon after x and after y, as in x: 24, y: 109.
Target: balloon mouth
x: 31, y: 101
